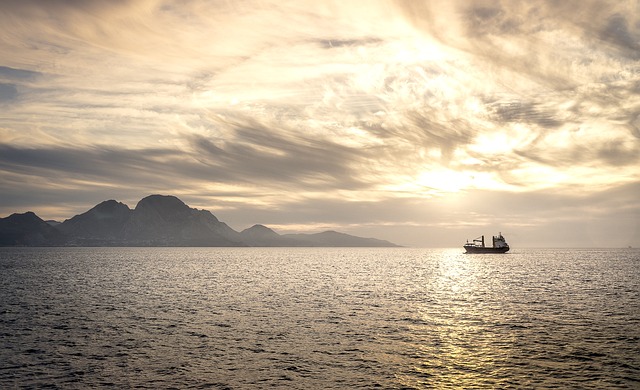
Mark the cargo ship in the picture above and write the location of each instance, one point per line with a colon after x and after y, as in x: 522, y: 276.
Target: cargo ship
x: 477, y: 245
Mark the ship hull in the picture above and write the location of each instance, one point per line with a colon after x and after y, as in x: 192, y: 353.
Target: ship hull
x: 481, y: 249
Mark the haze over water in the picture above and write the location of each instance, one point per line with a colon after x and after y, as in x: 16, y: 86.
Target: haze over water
x: 318, y: 318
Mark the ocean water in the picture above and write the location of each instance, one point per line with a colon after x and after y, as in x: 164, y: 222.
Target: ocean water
x: 303, y: 318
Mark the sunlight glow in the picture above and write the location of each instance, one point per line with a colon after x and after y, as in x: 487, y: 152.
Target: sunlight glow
x: 445, y: 181
x: 442, y: 181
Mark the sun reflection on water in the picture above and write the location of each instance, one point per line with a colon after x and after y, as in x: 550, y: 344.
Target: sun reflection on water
x: 456, y: 345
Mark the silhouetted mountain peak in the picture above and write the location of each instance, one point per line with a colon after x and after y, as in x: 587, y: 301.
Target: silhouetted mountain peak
x: 157, y: 220
x: 258, y: 228
x: 166, y: 201
x: 28, y: 217
x: 28, y: 229
x: 165, y: 208
x: 166, y: 220
x: 337, y: 239
x: 331, y: 233
x: 259, y: 231
x: 103, y: 221
x: 110, y: 206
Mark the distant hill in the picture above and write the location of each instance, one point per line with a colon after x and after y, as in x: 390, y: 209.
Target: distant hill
x: 103, y: 223
x: 259, y: 235
x: 157, y: 220
x: 161, y: 220
x: 28, y: 230
x: 336, y: 239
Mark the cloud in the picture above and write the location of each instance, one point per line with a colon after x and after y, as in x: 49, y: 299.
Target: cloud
x: 63, y: 162
x: 618, y: 33
x: 274, y: 104
x: 526, y: 112
x: 11, y: 79
x: 8, y: 92
x: 261, y: 155
x: 17, y: 74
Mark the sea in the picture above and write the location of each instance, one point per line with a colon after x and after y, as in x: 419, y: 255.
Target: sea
x: 319, y: 318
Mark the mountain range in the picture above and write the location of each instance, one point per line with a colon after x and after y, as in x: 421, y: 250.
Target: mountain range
x: 158, y: 220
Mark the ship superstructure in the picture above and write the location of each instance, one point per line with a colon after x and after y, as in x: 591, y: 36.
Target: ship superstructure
x: 499, y: 245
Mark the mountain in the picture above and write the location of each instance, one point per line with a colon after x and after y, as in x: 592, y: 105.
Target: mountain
x: 337, y: 239
x: 164, y: 220
x: 103, y: 223
x: 28, y: 230
x: 260, y: 235
x: 157, y: 220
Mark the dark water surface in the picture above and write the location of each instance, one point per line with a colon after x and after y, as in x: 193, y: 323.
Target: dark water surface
x: 303, y: 318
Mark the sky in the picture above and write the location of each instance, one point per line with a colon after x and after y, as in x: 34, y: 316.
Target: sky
x: 425, y: 123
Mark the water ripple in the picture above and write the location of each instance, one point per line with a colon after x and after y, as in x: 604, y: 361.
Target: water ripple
x: 230, y: 318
